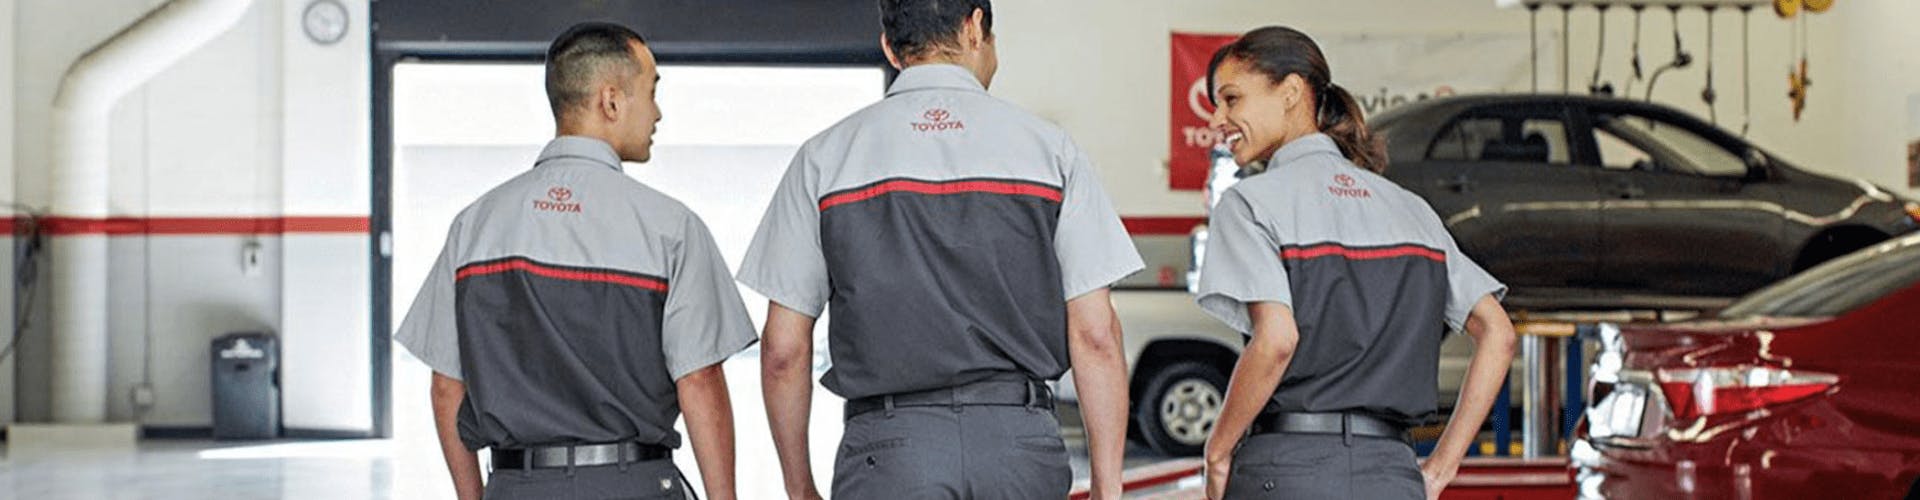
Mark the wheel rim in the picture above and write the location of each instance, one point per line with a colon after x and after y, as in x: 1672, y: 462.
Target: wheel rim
x: 1188, y: 411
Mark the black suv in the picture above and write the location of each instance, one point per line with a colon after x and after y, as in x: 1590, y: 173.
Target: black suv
x: 1581, y: 202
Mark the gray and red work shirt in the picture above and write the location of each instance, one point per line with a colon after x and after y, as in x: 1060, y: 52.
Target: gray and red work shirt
x: 946, y: 229
x: 1372, y: 277
x: 569, y: 300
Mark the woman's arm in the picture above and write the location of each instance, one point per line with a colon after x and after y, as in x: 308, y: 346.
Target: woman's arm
x: 1254, y: 378
x: 1493, y: 340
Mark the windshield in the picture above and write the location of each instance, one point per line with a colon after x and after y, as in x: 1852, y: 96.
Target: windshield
x: 1838, y: 286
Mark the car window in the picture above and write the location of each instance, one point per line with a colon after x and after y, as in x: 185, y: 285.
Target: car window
x: 1838, y: 286
x: 1503, y: 139
x: 1641, y: 143
x: 1618, y: 154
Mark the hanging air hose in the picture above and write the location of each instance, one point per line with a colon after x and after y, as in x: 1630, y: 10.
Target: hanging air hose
x: 1746, y: 70
x: 1566, y: 48
x: 1707, y: 94
x: 1681, y: 58
x: 1533, y: 44
x: 1593, y: 86
x: 1627, y: 89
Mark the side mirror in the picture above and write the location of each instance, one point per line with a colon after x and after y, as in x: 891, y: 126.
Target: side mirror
x: 1758, y: 166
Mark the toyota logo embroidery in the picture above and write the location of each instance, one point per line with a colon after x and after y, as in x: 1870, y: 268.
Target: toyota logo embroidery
x: 1346, y: 187
x: 938, y: 120
x: 557, y: 201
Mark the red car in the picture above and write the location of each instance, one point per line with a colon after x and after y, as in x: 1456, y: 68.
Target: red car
x: 1809, y: 388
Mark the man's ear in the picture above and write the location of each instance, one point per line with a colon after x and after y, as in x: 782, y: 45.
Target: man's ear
x: 974, y: 32
x: 609, y: 105
x: 887, y: 48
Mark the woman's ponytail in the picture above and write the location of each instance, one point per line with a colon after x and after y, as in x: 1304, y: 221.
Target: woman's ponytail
x: 1341, y: 118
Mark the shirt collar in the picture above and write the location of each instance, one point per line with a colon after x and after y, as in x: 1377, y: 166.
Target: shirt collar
x: 935, y: 76
x: 580, y: 148
x: 1308, y: 145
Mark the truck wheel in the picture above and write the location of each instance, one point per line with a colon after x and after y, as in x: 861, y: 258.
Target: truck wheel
x: 1177, y: 411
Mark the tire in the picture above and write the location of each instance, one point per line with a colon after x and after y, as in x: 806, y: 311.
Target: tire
x: 1176, y: 412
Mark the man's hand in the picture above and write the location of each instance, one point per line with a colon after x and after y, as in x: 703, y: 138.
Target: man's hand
x: 1217, y: 470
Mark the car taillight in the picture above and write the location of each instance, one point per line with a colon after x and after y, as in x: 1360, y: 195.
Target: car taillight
x: 1695, y: 392
x: 1913, y: 211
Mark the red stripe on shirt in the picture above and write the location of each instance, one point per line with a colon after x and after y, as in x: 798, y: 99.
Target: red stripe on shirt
x: 537, y: 269
x: 1373, y: 253
x: 940, y: 188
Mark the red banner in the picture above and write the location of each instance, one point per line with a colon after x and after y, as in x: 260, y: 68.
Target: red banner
x: 1189, y: 153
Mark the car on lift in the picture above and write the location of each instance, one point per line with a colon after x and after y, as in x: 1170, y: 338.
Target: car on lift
x: 1804, y: 389
x: 1603, y: 203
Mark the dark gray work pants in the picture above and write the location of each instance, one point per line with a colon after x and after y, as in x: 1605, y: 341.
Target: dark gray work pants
x: 650, y: 480
x: 972, y: 452
x: 1324, y: 466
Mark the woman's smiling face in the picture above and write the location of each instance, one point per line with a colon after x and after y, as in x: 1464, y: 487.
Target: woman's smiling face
x: 1251, y: 110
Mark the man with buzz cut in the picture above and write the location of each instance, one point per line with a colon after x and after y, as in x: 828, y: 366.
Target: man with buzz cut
x: 574, y: 312
x: 965, y: 248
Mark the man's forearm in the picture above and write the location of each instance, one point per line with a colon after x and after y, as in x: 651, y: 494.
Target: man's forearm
x: 1100, y: 374
x: 786, y: 378
x: 709, y: 416
x: 1101, y: 377
x: 462, y: 464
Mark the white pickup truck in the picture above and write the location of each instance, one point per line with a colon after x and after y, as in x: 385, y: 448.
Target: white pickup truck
x: 1178, y: 361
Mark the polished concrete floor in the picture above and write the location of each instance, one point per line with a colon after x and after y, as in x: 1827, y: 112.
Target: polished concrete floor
x: 406, y: 467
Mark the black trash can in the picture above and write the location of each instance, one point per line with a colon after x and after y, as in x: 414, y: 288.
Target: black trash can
x: 246, y: 386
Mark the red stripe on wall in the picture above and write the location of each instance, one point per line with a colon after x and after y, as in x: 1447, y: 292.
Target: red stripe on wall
x: 116, y: 226
x: 940, y: 188
x: 1161, y: 226
x: 536, y: 269
x: 1330, y: 250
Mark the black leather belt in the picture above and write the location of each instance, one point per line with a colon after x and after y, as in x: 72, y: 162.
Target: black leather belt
x: 1339, y: 424
x: 1031, y: 393
x: 585, y: 455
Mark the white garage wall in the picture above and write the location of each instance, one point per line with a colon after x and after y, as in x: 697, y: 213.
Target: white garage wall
x: 326, y: 295
x: 1873, y: 79
x: 48, y: 37
x: 259, y: 124
x: 6, y: 191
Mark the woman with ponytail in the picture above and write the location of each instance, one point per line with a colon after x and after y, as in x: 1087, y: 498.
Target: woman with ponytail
x: 1344, y: 283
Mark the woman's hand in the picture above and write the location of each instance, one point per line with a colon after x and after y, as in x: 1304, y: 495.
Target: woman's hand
x: 1437, y: 476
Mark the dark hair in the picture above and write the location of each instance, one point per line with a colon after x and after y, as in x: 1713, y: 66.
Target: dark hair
x: 1276, y: 52
x: 916, y: 27
x: 578, y: 57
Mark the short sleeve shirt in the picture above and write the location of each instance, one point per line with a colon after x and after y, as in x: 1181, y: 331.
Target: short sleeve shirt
x: 1370, y: 273
x: 570, y: 299
x: 944, y: 229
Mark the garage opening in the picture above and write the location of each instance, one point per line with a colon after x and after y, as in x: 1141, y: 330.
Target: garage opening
x: 726, y: 136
